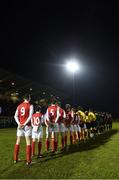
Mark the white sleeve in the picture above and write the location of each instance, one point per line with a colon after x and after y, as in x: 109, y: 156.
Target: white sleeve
x: 42, y: 119
x: 16, y: 117
x: 32, y: 122
x: 58, y: 114
x: 47, y: 116
x: 30, y: 115
x: 72, y: 115
x: 64, y: 114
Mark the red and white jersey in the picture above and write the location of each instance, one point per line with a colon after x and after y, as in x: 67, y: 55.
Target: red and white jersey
x: 52, y: 114
x: 37, y: 119
x: 24, y: 113
x: 69, y: 117
x: 62, y: 115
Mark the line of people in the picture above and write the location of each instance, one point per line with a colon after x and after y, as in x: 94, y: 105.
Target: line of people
x: 71, y: 123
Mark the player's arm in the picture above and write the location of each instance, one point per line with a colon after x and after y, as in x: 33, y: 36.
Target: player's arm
x: 16, y: 117
x: 58, y: 115
x: 72, y: 116
x: 32, y: 121
x: 30, y: 115
x: 64, y: 116
x: 47, y: 118
x: 42, y: 119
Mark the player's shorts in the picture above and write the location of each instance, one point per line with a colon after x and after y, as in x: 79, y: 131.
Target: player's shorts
x: 26, y: 131
x: 38, y: 134
x: 78, y: 128
x: 52, y: 128
x: 93, y: 124
x: 70, y: 128
x: 61, y: 127
x: 88, y: 125
x: 75, y: 127
x: 82, y: 125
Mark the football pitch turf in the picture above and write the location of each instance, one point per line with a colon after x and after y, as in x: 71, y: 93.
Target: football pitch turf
x: 95, y: 159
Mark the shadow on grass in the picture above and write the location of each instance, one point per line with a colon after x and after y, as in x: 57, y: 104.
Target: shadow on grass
x: 88, y: 145
x: 82, y: 146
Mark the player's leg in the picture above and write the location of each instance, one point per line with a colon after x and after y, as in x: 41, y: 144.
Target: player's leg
x: 33, y: 146
x: 28, y: 133
x: 34, y: 136
x: 62, y: 132
x: 20, y: 133
x: 79, y: 132
x: 71, y: 134
x: 66, y: 136
x: 48, y: 136
x: 82, y: 131
x: 75, y: 133
x: 40, y: 137
x: 16, y: 149
x: 39, y: 146
x: 56, y: 131
x: 28, y: 149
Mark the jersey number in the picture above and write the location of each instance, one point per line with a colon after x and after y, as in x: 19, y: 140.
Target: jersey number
x: 22, y: 111
x: 36, y: 121
x: 52, y: 112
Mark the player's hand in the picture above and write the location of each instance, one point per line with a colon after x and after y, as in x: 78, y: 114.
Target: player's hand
x: 21, y: 126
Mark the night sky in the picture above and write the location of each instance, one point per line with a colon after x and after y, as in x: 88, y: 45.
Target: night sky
x: 36, y: 41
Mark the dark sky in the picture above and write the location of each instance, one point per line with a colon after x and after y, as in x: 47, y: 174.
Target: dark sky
x: 36, y: 40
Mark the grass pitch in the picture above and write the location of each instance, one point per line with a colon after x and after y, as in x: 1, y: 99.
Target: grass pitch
x: 96, y: 159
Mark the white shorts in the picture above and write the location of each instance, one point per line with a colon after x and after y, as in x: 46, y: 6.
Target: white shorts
x: 26, y: 131
x: 85, y: 126
x: 50, y: 129
x: 61, y: 127
x: 75, y: 127
x: 70, y: 128
x: 78, y: 128
x: 38, y: 134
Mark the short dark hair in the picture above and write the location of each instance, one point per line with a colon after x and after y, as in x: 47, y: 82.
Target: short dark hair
x: 59, y: 103
x: 26, y: 96
x: 37, y: 108
x: 53, y: 100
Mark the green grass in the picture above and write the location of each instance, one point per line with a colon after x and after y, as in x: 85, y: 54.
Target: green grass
x: 98, y: 159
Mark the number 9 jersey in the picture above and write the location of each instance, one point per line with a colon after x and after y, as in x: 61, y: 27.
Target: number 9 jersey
x: 23, y: 113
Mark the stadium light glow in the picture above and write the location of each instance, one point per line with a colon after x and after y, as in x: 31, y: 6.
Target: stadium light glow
x: 72, y: 66
x: 12, y: 83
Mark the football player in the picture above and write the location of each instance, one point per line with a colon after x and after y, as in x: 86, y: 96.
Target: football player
x: 37, y: 131
x: 22, y: 117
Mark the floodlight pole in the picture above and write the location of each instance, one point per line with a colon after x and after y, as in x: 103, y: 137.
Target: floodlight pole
x: 74, y: 98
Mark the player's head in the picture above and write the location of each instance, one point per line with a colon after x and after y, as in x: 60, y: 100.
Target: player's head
x: 58, y: 103
x: 37, y: 108
x: 86, y: 113
x: 79, y: 108
x: 27, y: 97
x: 68, y: 107
x: 53, y: 100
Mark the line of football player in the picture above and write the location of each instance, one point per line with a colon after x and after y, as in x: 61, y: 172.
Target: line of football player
x: 74, y: 125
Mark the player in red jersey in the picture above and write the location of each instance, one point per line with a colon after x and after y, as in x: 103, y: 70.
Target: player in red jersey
x: 37, y: 131
x: 61, y: 123
x: 51, y: 119
x: 22, y: 117
x: 69, y: 123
